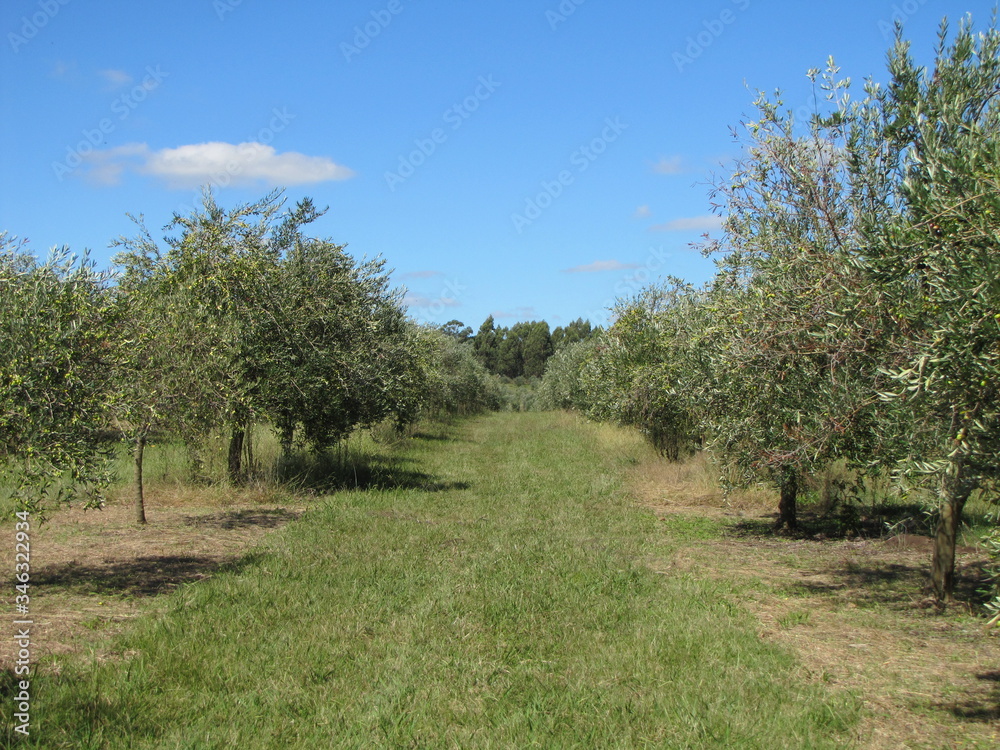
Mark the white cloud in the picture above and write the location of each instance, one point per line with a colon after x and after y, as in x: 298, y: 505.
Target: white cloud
x: 673, y: 165
x: 690, y: 224
x: 244, y: 164
x: 106, y: 167
x: 116, y: 78
x: 642, y: 212
x: 216, y: 162
x: 602, y: 265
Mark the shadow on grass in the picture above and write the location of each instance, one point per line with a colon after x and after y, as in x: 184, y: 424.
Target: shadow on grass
x: 142, y: 577
x: 437, y: 437
x: 885, y: 583
x: 986, y: 710
x: 8, y: 685
x: 893, y: 582
x: 870, y: 522
x: 898, y: 585
x: 328, y: 472
x: 244, y: 519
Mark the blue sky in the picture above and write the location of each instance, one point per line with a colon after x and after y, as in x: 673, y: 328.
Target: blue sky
x: 529, y: 159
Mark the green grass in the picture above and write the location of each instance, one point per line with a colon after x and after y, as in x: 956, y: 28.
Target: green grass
x: 497, y: 598
x: 694, y: 528
x: 361, y: 459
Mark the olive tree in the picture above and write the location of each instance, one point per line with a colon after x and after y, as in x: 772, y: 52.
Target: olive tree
x: 171, y: 369
x: 335, y: 351
x: 926, y: 151
x: 194, y: 302
x: 795, y: 383
x: 56, y: 364
x: 562, y: 384
x: 858, y: 297
x: 451, y: 380
x: 282, y: 327
x: 646, y: 370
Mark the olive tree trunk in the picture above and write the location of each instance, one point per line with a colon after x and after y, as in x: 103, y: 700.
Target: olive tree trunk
x: 955, y: 490
x: 236, y: 454
x: 789, y: 489
x: 137, y: 454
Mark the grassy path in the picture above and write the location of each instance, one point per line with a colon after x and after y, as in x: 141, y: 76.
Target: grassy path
x: 507, y: 602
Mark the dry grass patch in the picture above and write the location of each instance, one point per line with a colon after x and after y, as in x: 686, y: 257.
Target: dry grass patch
x: 93, y: 571
x: 855, y: 612
x: 670, y: 487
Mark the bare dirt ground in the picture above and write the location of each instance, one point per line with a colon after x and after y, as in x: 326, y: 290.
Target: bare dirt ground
x: 854, y: 611
x: 93, y: 571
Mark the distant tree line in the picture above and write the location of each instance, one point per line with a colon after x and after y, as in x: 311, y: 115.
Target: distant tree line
x: 520, y: 351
